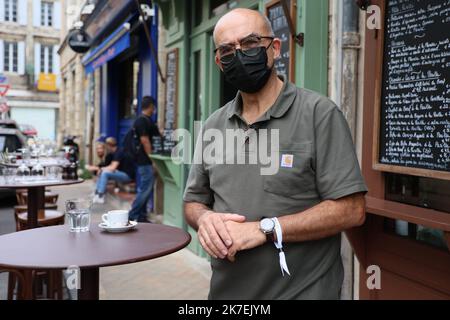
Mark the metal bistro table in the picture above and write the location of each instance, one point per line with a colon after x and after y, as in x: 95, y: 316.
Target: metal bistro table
x: 55, y: 248
x: 36, y: 195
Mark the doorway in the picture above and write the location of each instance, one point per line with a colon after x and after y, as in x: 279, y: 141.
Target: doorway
x: 128, y: 88
x: 127, y: 72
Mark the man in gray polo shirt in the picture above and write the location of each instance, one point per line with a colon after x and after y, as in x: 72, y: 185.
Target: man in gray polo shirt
x: 316, y: 193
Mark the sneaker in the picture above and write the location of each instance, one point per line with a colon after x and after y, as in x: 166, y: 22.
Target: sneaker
x: 98, y: 199
x: 101, y: 199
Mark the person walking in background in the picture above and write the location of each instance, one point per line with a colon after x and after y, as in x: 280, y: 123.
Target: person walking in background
x: 121, y: 169
x: 145, y: 130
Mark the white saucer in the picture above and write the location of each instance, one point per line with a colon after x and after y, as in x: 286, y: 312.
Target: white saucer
x: 131, y: 225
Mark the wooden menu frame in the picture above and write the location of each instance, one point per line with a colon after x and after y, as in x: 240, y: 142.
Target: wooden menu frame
x: 175, y: 76
x: 292, y: 9
x: 418, y: 266
x: 376, y: 165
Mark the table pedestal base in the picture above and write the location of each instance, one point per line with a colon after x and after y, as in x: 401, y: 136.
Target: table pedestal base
x: 89, y: 284
x: 36, y: 199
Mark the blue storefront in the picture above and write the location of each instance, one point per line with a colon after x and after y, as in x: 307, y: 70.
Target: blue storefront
x: 121, y: 53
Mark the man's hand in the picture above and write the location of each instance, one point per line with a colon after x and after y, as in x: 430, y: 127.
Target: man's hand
x: 213, y: 234
x: 245, y: 236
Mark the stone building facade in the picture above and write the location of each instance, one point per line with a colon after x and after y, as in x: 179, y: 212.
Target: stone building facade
x: 79, y: 100
x: 29, y: 40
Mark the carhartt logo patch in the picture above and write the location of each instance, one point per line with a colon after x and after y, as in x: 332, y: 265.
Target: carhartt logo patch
x: 287, y: 161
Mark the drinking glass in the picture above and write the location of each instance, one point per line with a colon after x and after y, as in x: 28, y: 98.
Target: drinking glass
x: 26, y: 156
x: 37, y: 172
x: 23, y: 172
x: 9, y: 174
x: 53, y: 172
x: 60, y: 158
x: 2, y: 175
x: 78, y: 213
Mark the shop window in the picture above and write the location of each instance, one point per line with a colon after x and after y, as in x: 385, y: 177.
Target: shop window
x: 10, y: 9
x: 422, y: 192
x: 422, y: 234
x: 418, y: 191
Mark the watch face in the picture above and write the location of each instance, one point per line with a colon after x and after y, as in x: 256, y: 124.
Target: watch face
x: 267, y: 225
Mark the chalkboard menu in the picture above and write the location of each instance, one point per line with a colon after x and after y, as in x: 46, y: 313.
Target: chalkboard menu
x: 171, y: 109
x: 157, y: 144
x: 168, y: 141
x: 414, y: 119
x: 285, y: 64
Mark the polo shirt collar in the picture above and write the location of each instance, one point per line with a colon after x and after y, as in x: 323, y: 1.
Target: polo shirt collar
x: 280, y: 107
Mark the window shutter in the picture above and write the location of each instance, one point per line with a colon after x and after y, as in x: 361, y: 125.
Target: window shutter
x: 37, y: 60
x: 21, y: 57
x: 56, y: 65
x: 57, y: 14
x: 2, y: 10
x: 22, y: 12
x: 37, y: 13
x: 2, y: 58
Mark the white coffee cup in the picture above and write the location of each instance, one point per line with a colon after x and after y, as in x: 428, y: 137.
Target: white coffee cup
x: 116, y: 218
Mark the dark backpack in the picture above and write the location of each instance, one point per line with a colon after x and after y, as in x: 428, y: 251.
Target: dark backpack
x: 131, y: 143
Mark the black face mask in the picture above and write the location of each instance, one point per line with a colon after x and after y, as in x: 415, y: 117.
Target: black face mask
x: 248, y: 71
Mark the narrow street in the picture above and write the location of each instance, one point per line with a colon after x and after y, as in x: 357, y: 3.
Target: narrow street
x: 180, y: 276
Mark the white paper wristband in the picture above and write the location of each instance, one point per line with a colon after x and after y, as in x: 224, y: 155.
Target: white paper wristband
x: 279, y: 246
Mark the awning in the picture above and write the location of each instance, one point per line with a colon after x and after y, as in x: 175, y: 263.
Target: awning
x: 110, y: 48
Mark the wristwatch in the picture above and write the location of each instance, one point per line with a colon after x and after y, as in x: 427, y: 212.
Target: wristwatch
x: 267, y: 226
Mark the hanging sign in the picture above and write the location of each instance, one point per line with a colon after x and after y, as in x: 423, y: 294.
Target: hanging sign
x: 79, y: 41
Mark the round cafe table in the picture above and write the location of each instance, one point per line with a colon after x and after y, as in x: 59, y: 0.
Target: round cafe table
x: 55, y: 248
x: 36, y: 195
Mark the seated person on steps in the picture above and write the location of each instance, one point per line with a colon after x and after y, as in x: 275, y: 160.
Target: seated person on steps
x: 104, y: 157
x: 122, y: 169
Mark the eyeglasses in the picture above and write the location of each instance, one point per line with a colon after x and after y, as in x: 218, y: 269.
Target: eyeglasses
x: 249, y: 46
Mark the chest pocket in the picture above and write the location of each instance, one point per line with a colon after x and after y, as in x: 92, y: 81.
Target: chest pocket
x: 295, y: 176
